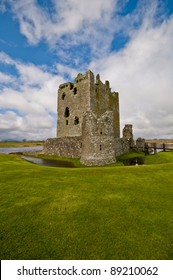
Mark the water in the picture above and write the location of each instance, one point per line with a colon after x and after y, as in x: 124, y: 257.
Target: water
x: 20, y: 149
x: 134, y: 161
x: 39, y: 161
x: 49, y: 162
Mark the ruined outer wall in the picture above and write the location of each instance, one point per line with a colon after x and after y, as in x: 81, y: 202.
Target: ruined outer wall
x: 128, y: 132
x: 64, y: 147
x: 121, y: 146
x: 71, y: 147
x: 76, y: 97
x: 140, y: 144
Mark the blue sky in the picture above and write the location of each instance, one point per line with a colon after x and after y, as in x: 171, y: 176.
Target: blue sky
x: 45, y: 43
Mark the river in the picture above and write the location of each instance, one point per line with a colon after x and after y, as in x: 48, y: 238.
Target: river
x: 49, y: 162
x: 39, y: 161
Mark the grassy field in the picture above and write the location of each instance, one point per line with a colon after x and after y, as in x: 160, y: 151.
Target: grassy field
x: 20, y: 144
x: 113, y: 212
x: 159, y: 141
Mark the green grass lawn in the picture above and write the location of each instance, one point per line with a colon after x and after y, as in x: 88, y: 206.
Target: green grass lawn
x: 113, y: 212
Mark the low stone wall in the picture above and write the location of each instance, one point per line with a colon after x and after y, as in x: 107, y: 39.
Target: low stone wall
x: 71, y: 147
x: 121, y: 146
x: 91, y: 161
x: 140, y: 144
x: 64, y: 147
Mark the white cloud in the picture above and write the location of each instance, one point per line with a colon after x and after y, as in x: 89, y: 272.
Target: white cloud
x: 29, y: 102
x: 142, y: 73
x: 32, y: 19
x: 6, y: 79
x: 72, y: 15
x: 65, y: 70
x: 5, y: 59
x: 31, y: 74
x: 68, y: 24
x: 10, y: 121
x: 13, y: 126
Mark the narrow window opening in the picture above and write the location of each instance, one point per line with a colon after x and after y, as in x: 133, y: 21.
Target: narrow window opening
x: 81, y: 145
x: 76, y: 120
x: 101, y: 132
x: 75, y: 91
x: 67, y: 112
x: 71, y: 86
x: 63, y: 96
x: 100, y: 147
x: 66, y: 122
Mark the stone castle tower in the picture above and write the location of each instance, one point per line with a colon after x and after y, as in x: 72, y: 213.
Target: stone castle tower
x: 75, y: 99
x: 88, y: 124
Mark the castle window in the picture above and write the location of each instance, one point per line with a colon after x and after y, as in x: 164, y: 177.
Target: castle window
x: 67, y: 112
x: 100, y: 147
x: 75, y: 91
x: 66, y: 122
x: 63, y: 96
x: 71, y: 86
x: 101, y: 132
x: 76, y: 120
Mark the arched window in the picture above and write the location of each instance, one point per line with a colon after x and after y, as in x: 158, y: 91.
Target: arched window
x: 76, y: 120
x: 67, y: 112
x: 63, y: 96
x: 75, y: 91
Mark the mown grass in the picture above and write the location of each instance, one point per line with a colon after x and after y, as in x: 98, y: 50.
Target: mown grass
x: 122, y: 212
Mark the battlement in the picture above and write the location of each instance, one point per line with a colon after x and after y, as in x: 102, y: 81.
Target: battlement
x: 66, y: 85
x: 88, y: 76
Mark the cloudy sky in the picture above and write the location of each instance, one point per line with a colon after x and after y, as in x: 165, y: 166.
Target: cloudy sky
x: 45, y: 43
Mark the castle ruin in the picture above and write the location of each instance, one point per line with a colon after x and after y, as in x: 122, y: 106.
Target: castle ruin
x: 88, y: 123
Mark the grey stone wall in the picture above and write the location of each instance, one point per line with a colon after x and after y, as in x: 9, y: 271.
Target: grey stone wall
x: 106, y: 100
x: 73, y: 102
x: 85, y: 94
x: 140, y: 144
x: 72, y: 147
x: 128, y: 134
x: 121, y: 146
x: 98, y: 136
x: 65, y: 147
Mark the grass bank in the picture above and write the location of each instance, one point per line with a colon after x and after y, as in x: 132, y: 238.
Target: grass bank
x: 122, y: 212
